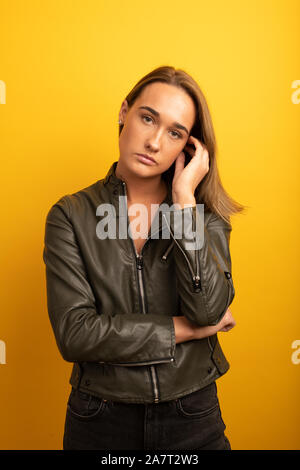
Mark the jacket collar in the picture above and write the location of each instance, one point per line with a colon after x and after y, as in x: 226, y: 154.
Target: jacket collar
x: 111, y: 181
x: 111, y: 176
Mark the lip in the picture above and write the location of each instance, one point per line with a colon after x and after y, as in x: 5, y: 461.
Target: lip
x: 146, y: 159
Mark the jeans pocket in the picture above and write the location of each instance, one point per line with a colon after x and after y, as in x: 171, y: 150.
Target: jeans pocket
x: 200, y: 403
x: 84, y: 406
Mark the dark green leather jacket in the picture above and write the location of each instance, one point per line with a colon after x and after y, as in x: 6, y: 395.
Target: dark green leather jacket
x: 111, y: 309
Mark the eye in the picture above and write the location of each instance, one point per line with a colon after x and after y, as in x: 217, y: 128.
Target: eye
x: 178, y: 134
x: 147, y: 117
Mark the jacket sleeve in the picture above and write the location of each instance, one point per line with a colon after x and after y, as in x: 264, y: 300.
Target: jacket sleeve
x: 81, y: 332
x: 204, y: 274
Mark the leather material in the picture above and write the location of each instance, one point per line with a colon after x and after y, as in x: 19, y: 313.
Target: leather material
x: 111, y: 310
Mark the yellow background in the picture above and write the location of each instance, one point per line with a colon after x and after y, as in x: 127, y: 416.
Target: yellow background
x: 67, y: 66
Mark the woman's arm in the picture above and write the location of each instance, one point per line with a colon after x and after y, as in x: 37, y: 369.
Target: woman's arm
x: 203, y: 274
x: 187, y: 331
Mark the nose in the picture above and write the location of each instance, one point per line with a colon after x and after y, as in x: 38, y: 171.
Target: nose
x: 153, y: 142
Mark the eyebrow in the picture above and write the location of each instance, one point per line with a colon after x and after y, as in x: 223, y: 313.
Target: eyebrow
x: 156, y: 113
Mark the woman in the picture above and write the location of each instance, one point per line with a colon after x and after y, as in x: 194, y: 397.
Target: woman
x: 138, y: 312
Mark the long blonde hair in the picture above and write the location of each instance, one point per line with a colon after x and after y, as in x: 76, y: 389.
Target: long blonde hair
x: 209, y: 191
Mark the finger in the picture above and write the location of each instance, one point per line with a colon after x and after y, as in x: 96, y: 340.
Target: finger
x: 179, y: 164
x: 197, y: 143
x: 201, y: 151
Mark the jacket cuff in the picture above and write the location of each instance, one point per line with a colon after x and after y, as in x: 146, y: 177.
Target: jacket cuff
x: 160, y: 350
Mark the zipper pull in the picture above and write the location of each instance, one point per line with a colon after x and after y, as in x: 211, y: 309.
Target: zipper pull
x: 165, y: 255
x: 197, y: 284
x: 139, y: 261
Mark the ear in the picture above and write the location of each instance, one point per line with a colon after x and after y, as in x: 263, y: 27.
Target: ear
x: 123, y: 111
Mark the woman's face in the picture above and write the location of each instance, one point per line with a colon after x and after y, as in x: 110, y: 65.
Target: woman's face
x: 160, y: 132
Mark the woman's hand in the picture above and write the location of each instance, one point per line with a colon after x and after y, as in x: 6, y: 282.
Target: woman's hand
x: 186, y: 179
x: 227, y: 322
x: 185, y: 330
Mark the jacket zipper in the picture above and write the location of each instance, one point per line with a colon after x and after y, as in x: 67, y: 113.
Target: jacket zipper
x: 139, y: 264
x: 139, y: 259
x: 195, y: 276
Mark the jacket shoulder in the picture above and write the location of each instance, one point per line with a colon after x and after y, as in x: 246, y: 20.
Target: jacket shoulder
x: 58, y: 208
x: 214, y: 220
x: 78, y: 201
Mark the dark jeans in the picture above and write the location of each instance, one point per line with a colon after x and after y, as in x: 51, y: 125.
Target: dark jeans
x: 192, y: 422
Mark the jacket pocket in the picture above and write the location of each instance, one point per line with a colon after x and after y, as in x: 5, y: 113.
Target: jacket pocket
x: 231, y: 290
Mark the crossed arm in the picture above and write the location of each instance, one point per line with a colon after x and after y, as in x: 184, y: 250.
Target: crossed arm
x: 82, y: 334
x: 185, y: 330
